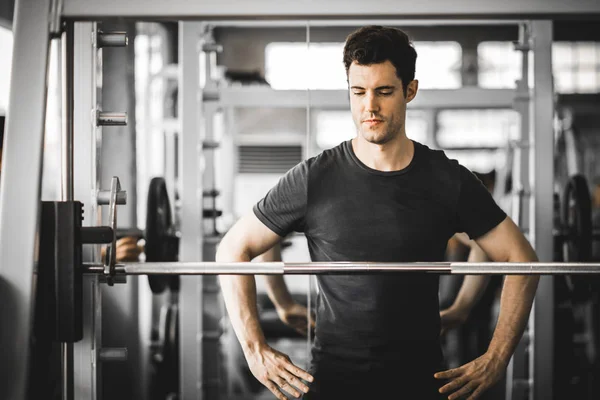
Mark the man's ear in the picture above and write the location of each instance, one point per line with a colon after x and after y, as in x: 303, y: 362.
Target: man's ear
x: 411, y: 90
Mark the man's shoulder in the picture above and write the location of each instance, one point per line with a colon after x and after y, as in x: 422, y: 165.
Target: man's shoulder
x: 438, y: 158
x: 327, y: 157
x: 440, y: 168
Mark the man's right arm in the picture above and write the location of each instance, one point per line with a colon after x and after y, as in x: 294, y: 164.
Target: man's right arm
x: 247, y: 239
x: 472, y: 289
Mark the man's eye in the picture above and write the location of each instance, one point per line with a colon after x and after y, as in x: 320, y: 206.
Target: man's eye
x: 386, y: 93
x: 358, y: 93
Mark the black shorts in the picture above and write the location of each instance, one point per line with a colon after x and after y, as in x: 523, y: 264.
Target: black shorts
x: 339, y: 378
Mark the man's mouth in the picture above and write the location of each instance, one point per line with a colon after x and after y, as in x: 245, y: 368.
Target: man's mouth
x: 372, y: 122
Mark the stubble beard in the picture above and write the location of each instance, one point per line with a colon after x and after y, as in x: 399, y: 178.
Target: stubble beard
x: 391, y: 132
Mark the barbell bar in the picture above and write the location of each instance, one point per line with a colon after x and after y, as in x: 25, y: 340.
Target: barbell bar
x: 346, y: 268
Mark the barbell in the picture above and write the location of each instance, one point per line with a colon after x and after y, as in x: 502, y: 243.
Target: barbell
x: 346, y: 268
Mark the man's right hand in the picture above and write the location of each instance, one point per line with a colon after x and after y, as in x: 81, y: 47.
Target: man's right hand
x: 276, y: 371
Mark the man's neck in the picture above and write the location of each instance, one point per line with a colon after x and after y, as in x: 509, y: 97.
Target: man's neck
x: 394, y: 155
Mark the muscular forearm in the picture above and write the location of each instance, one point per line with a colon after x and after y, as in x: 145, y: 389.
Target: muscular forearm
x: 473, y: 286
x: 517, y: 298
x: 239, y: 292
x: 277, y: 289
x: 278, y: 292
x: 470, y: 292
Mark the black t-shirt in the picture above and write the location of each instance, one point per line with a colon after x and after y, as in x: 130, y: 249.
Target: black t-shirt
x: 350, y: 212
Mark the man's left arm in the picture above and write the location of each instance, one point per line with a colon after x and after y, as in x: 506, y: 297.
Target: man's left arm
x: 504, y: 243
x: 518, y: 291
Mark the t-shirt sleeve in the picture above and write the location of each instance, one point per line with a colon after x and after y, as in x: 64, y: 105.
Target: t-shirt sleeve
x: 283, y: 209
x: 478, y: 213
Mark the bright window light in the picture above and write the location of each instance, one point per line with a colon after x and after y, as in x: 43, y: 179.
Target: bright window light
x: 438, y: 65
x: 477, y: 128
x: 333, y: 127
x: 576, y: 67
x: 301, y: 66
x: 499, y: 65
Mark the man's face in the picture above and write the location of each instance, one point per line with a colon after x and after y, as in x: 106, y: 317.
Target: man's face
x: 377, y: 101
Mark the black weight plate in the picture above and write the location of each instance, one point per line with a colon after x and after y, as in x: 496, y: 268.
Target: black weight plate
x: 171, y: 350
x: 576, y: 216
x: 158, y: 227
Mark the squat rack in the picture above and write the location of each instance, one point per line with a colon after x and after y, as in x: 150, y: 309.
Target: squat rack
x: 37, y: 21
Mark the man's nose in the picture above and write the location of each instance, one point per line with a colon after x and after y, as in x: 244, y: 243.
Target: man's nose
x: 371, y: 103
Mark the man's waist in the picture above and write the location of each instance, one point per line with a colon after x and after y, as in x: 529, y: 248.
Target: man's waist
x: 409, y: 351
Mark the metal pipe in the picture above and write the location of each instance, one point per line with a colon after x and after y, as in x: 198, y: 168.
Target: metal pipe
x: 67, y: 174
x: 103, y: 197
x: 333, y: 268
x: 105, y: 118
x: 111, y: 39
x: 67, y: 113
x: 67, y: 371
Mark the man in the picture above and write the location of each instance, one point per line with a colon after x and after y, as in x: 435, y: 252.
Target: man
x: 384, y: 198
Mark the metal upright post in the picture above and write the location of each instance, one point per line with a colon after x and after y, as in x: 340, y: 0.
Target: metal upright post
x: 542, y: 206
x: 20, y: 188
x: 518, y: 385
x: 67, y: 192
x: 190, y: 301
x: 307, y: 154
x: 86, y: 91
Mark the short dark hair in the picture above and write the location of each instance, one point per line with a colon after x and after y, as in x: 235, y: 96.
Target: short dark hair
x: 376, y: 44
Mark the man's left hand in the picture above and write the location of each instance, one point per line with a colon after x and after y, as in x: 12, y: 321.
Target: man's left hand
x: 296, y: 316
x: 472, y: 379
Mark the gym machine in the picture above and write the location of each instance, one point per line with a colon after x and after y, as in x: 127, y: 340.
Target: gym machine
x: 36, y: 22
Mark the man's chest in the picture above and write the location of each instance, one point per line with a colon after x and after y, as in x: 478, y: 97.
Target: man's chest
x: 391, y: 220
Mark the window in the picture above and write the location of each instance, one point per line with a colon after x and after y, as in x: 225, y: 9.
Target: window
x: 300, y: 66
x: 333, y: 127
x: 499, y: 65
x: 149, y: 92
x: 576, y: 67
x: 476, y: 138
x: 438, y: 65
x: 476, y: 128
x: 305, y: 66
